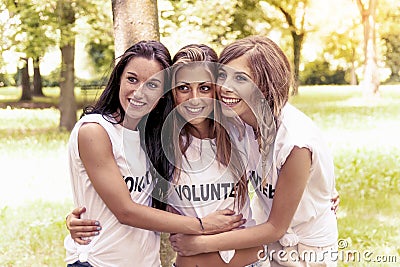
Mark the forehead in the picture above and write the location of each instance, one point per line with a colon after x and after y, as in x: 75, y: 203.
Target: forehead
x: 239, y: 64
x: 143, y: 67
x: 193, y: 73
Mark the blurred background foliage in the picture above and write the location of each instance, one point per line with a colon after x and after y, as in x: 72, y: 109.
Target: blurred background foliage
x: 331, y: 33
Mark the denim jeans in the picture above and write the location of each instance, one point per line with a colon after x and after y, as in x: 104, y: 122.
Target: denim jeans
x: 79, y: 264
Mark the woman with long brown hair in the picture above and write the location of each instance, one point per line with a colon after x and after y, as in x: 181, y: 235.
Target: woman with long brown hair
x: 293, y: 172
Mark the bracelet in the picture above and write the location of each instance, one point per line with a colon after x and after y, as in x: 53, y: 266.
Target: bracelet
x: 201, y: 223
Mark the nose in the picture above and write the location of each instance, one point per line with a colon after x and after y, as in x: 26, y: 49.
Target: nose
x: 226, y: 88
x: 225, y: 85
x: 194, y: 97
x: 138, y: 92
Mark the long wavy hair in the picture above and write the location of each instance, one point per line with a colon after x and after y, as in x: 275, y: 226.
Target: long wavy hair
x: 226, y: 152
x: 272, y: 75
x: 110, y: 107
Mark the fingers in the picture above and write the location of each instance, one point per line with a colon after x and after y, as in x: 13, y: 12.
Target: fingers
x: 84, y: 235
x: 84, y: 222
x: 335, y: 203
x: 238, y: 224
x: 82, y: 241
x: 78, y: 211
x: 173, y: 238
x: 237, y: 217
x: 227, y: 212
x: 85, y: 228
x: 75, y: 214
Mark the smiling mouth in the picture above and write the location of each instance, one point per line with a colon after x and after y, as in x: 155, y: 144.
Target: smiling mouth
x: 230, y: 101
x: 194, y: 111
x: 136, y: 103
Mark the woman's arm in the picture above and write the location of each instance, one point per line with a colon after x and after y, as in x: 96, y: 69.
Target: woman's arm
x: 292, y: 181
x: 95, y: 150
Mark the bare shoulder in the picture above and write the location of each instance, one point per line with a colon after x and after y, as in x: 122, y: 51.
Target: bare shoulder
x: 92, y: 136
x: 91, y: 130
x: 298, y: 159
x: 301, y: 151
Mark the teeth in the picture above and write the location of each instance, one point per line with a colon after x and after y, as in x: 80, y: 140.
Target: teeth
x: 133, y: 102
x: 230, y: 100
x: 194, y: 110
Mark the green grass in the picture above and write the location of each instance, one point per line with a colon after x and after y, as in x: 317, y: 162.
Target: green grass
x: 32, y: 235
x: 363, y: 134
x: 11, y: 95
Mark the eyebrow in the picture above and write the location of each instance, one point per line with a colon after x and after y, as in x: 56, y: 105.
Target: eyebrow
x: 235, y: 72
x: 188, y: 83
x: 151, y: 79
x: 154, y: 80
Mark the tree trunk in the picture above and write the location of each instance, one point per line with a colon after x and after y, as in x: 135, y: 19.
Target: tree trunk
x: 25, y: 83
x: 353, y: 76
x: 37, y: 78
x: 67, y: 103
x: 371, y: 71
x: 298, y: 34
x: 297, y: 44
x: 134, y: 21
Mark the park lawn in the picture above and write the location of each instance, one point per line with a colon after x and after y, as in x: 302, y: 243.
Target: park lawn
x: 362, y: 133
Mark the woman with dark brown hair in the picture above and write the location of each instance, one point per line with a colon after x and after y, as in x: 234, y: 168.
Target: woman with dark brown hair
x: 110, y: 172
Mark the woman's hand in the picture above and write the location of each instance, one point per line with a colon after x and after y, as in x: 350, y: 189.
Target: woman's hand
x: 335, y: 201
x: 222, y: 221
x: 186, y: 245
x: 81, y: 229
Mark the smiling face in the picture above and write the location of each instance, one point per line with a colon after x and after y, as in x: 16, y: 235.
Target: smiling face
x: 141, y: 86
x: 236, y: 90
x: 194, y: 94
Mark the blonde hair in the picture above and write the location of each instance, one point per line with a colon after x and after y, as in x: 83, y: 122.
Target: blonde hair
x: 226, y: 152
x: 272, y: 75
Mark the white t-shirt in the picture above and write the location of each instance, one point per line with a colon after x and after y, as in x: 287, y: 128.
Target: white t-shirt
x: 205, y: 186
x: 117, y: 244
x: 314, y: 222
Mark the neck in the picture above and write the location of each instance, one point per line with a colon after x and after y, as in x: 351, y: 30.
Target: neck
x: 250, y: 119
x: 201, y: 131
x: 130, y: 123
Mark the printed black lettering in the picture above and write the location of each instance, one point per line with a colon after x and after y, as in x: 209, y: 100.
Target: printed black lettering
x: 195, y: 198
x: 129, y: 182
x: 215, y: 191
x: 207, y: 191
x: 265, y: 191
x: 225, y: 188
x: 186, y: 192
x: 233, y: 191
x: 141, y: 184
x: 179, y: 193
x: 137, y: 186
x: 148, y: 178
x: 271, y: 191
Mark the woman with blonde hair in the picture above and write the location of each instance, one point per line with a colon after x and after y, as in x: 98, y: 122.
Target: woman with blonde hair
x: 293, y: 172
